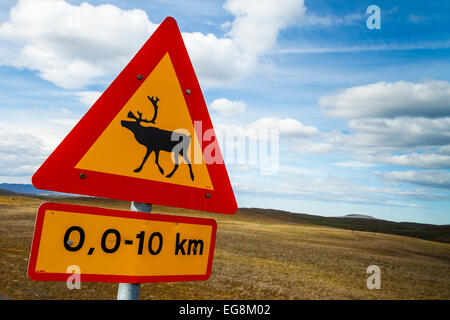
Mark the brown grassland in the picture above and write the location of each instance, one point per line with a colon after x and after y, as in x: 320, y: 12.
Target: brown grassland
x: 257, y: 256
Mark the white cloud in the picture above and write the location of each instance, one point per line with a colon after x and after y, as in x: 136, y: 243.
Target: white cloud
x: 251, y: 34
x: 20, y: 154
x: 403, y: 134
x: 259, y: 142
x: 354, y: 164
x: 310, y: 147
x: 285, y: 127
x: 258, y: 22
x: 72, y: 46
x: 417, y: 160
x: 390, y: 99
x: 217, y: 61
x: 428, y: 45
x: 428, y: 178
x: 75, y: 46
x: 254, y: 140
x: 444, y: 150
x: 228, y: 108
x: 49, y: 127
x: 290, y: 184
x: 312, y: 20
x: 64, y: 122
x: 88, y: 98
x: 396, y: 124
x: 300, y: 171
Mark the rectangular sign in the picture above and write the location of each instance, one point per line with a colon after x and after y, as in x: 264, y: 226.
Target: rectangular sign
x: 108, y: 245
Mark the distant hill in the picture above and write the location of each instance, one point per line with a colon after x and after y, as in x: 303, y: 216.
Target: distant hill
x: 5, y: 192
x: 358, y: 216
x: 25, y: 189
x: 430, y: 232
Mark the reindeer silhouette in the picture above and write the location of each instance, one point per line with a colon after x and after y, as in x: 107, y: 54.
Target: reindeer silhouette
x: 156, y: 140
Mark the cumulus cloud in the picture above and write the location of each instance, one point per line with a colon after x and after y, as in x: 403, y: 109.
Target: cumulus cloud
x: 228, y: 108
x: 290, y: 184
x: 217, y: 61
x: 260, y: 142
x: 72, y: 46
x: 328, y: 22
x: 427, y: 178
x: 88, y: 98
x: 403, y: 135
x: 311, y: 147
x: 75, y: 46
x: 444, y: 150
x: 403, y: 141
x: 20, y: 154
x: 418, y: 160
x: 354, y: 164
x: 252, y: 33
x: 398, y: 134
x: 390, y: 99
x: 258, y: 22
x: 401, y: 124
x: 287, y: 127
x: 312, y: 20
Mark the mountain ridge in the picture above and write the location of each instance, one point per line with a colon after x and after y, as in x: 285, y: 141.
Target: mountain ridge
x: 29, y: 189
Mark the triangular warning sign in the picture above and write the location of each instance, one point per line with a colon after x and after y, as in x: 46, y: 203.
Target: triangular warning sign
x: 143, y: 140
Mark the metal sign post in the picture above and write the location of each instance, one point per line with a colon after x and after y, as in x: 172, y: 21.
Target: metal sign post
x: 130, y: 291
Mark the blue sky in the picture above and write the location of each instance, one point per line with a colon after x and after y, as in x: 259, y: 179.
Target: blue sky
x: 363, y: 115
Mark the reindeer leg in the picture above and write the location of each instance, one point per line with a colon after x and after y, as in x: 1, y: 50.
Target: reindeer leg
x: 175, y: 168
x: 190, y: 167
x: 143, y: 161
x: 157, y: 162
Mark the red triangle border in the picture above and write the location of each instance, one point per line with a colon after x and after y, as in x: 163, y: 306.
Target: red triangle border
x: 58, y: 172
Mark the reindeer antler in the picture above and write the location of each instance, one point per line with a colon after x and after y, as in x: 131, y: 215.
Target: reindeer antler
x: 138, y: 120
x: 154, y: 102
x: 132, y: 116
x: 155, y: 106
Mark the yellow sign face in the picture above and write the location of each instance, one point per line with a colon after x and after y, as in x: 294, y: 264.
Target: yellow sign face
x: 153, y: 136
x: 119, y: 246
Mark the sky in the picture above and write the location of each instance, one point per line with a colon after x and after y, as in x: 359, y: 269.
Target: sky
x: 360, y: 105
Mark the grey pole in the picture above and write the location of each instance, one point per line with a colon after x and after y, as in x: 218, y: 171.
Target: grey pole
x: 130, y: 291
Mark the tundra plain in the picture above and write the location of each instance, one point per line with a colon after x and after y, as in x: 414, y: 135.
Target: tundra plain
x: 260, y: 254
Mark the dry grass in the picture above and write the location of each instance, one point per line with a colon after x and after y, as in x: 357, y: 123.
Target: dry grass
x: 256, y: 257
